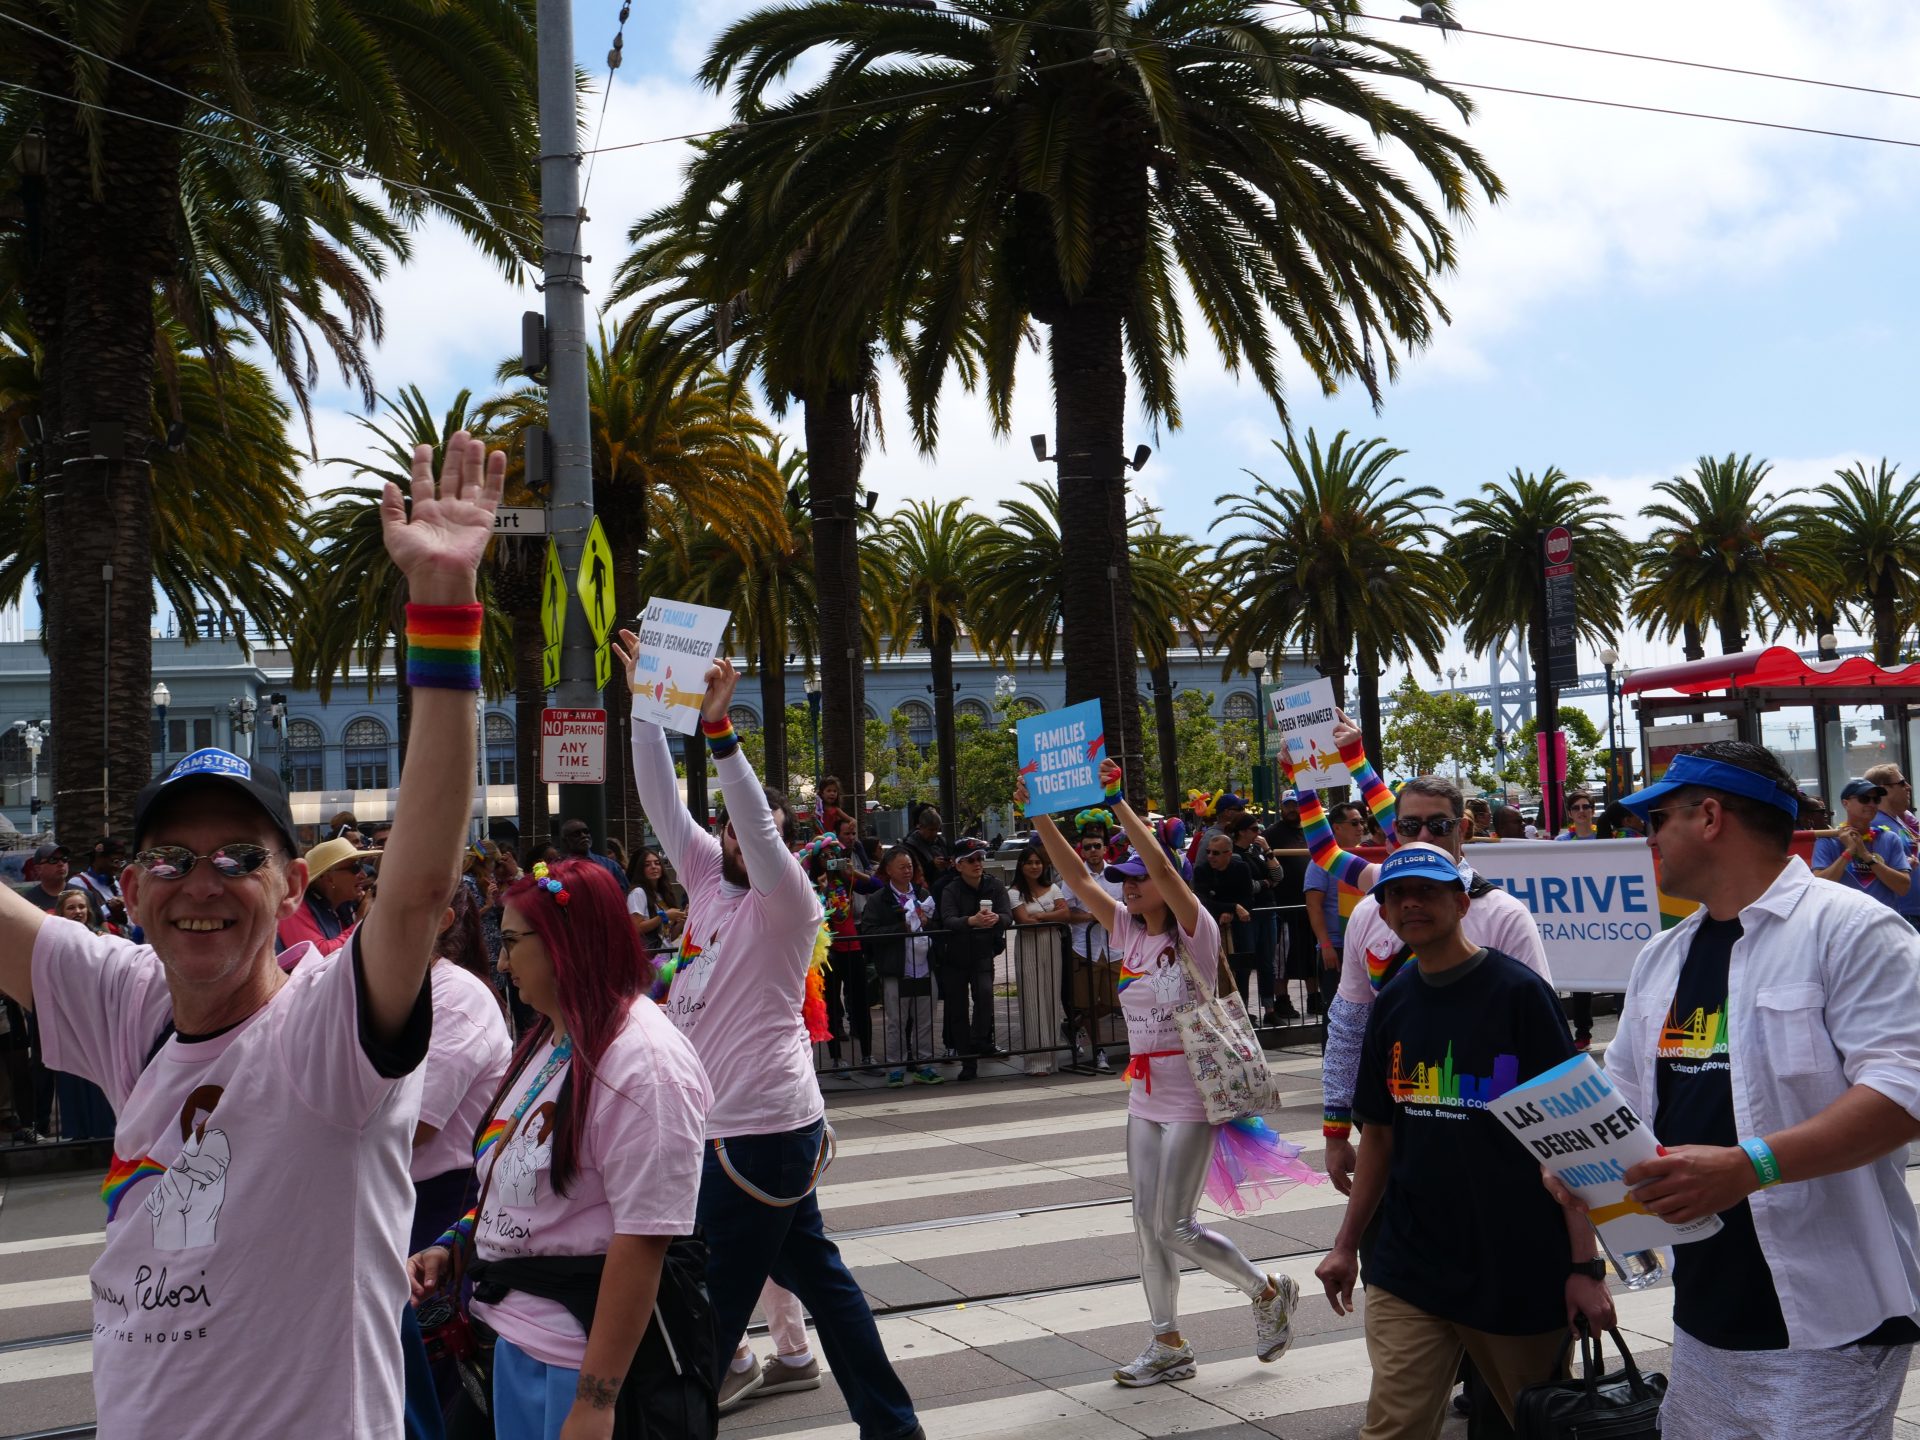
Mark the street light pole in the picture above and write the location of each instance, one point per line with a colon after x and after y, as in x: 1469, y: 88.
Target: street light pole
x: 162, y: 697
x: 1262, y: 790
x: 813, y: 724
x: 570, y: 507
x: 32, y: 735
x: 1608, y: 659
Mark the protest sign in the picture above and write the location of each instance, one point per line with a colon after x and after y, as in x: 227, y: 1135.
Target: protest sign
x: 1060, y: 755
x: 677, y: 643
x: 1303, y: 720
x: 1596, y: 903
x: 1574, y: 1122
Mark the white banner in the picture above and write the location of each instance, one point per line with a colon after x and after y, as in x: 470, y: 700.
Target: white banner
x: 1595, y: 901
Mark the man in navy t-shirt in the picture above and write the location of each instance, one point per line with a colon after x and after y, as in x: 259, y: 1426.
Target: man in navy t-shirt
x: 1869, y: 853
x: 1466, y: 1258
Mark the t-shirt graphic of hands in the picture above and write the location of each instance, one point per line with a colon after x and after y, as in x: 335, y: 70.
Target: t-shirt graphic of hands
x: 185, y: 1205
x: 516, y: 1179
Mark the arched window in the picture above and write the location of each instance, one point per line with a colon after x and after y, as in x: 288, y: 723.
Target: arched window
x: 1239, y: 706
x: 977, y: 708
x: 305, y: 756
x: 743, y: 718
x: 367, y: 755
x: 919, y: 722
x: 500, y: 753
x: 869, y: 712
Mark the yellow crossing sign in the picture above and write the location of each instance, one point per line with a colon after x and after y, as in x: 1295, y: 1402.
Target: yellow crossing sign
x: 594, y: 584
x: 553, y: 613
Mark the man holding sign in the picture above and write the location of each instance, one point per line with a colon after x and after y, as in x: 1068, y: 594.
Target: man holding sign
x: 1466, y: 1258
x: 1774, y: 1038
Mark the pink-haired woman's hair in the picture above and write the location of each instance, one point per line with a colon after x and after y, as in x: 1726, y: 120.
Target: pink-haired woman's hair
x: 599, y: 970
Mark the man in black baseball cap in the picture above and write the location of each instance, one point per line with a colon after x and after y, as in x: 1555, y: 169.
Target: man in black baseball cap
x: 975, y: 911
x: 266, y: 1119
x: 49, y: 877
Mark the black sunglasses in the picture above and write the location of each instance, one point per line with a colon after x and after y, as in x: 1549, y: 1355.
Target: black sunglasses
x: 176, y: 862
x: 1408, y: 827
x: 1581, y: 805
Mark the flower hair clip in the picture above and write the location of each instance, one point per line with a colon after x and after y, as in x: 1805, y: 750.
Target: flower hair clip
x: 547, y: 883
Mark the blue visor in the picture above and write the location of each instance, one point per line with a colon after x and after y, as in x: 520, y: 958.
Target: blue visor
x: 1418, y: 862
x: 1689, y: 770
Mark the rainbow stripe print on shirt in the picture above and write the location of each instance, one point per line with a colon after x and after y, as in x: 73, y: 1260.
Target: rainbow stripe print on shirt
x: 122, y: 1176
x: 1701, y: 1036
x: 490, y: 1137
x: 1430, y: 1084
x: 1127, y: 977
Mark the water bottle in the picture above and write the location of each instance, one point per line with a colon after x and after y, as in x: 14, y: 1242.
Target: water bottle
x: 1637, y: 1269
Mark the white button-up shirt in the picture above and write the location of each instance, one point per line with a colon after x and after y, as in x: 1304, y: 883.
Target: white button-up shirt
x: 1823, y: 993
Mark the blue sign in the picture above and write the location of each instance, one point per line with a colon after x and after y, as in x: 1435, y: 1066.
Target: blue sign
x: 1060, y: 755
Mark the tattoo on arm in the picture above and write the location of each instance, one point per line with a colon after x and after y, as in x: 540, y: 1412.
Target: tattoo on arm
x: 598, y: 1393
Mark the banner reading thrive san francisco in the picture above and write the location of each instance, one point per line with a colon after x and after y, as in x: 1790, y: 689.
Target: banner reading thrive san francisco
x: 1597, y: 903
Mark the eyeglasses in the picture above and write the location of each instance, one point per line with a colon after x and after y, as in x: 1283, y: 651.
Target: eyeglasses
x: 176, y: 862
x: 1582, y: 805
x: 1408, y: 827
x: 1657, y: 818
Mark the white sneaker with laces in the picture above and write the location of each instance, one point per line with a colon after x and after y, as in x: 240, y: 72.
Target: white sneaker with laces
x: 1273, y: 1319
x: 1101, y: 1063
x: 1157, y: 1364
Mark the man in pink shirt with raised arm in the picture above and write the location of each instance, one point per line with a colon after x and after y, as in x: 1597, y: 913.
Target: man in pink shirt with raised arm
x: 258, y: 1204
x: 738, y: 981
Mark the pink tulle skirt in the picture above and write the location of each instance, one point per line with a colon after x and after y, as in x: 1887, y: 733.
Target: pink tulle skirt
x: 1251, y: 1165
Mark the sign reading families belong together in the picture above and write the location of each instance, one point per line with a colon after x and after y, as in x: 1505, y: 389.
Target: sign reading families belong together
x: 1060, y: 755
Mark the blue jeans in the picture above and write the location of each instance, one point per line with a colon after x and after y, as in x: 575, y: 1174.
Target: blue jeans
x: 530, y: 1398
x: 421, y: 1418
x: 749, y: 1242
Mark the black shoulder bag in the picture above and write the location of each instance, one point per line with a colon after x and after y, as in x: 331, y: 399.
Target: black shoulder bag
x: 1624, y: 1405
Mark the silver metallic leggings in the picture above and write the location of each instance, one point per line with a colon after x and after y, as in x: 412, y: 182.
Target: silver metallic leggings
x: 1166, y: 1165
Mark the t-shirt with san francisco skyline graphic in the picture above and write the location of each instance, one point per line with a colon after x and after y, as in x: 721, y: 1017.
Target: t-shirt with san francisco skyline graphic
x: 1466, y: 1230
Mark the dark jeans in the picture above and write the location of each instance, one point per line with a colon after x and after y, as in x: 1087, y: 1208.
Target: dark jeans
x: 849, y: 1009
x: 749, y: 1242
x: 962, y: 981
x: 420, y: 1418
x: 1330, y: 977
x: 84, y: 1112
x: 1580, y: 1012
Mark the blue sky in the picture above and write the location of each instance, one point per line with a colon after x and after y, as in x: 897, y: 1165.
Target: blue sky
x: 1654, y: 288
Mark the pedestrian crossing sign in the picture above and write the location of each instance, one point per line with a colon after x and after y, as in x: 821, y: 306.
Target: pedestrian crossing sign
x: 553, y: 614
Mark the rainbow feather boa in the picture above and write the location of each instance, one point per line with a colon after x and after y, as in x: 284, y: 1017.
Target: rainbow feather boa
x: 813, y: 1005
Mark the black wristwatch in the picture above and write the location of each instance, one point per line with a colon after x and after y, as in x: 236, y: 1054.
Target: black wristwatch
x: 1592, y: 1269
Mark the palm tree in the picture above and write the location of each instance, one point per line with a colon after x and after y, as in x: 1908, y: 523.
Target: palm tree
x: 691, y: 438
x: 1871, y: 526
x: 1496, y: 541
x: 226, y: 503
x: 1023, y: 596
x: 1340, y: 555
x: 1081, y: 164
x: 353, y: 599
x: 931, y: 556
x: 219, y: 162
x: 1725, y: 554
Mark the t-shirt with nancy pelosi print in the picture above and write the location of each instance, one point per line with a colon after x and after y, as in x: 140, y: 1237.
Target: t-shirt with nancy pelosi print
x: 258, y: 1205
x: 1153, y: 983
x: 637, y: 1172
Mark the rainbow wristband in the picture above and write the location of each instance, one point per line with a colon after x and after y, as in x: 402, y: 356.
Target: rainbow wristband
x: 1116, y: 790
x: 1764, y: 1165
x: 459, y: 1235
x: 443, y: 646
x: 1336, y: 1124
x: 721, y: 739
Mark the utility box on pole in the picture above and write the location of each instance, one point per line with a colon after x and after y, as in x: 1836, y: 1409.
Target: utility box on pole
x: 570, y: 505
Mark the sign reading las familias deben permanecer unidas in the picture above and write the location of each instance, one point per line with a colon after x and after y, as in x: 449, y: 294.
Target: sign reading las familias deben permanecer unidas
x: 1060, y: 755
x: 1303, y: 721
x: 677, y: 643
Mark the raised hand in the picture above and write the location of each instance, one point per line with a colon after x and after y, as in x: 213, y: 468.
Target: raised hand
x: 1345, y: 732
x: 1110, y: 772
x: 626, y: 648
x: 439, y: 543
x: 722, y: 677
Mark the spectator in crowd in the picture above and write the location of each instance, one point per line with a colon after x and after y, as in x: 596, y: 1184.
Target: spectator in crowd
x: 1225, y: 887
x: 827, y: 811
x: 1814, y: 814
x: 46, y: 876
x: 929, y: 849
x: 1227, y: 809
x: 1479, y: 819
x: 1580, y: 819
x: 343, y: 825
x: 1619, y: 823
x: 84, y: 1113
x: 336, y: 883
x: 576, y: 843
x: 1087, y: 993
x: 18, y: 1063
x: 1787, y: 1114
x: 540, y: 852
x: 1040, y: 905
x: 1322, y: 890
x: 1869, y: 854
x: 1464, y: 1260
x: 849, y: 1009
x: 1288, y: 842
x: 76, y: 905
x: 1250, y: 848
x: 617, y: 853
x: 378, y: 832
x: 859, y: 861
x: 1508, y: 823
x: 266, y: 1118
x: 896, y: 924
x: 975, y: 911
x: 101, y: 882
x: 1896, y: 807
x: 655, y: 905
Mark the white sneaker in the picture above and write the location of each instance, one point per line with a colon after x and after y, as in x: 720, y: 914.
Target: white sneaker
x: 1158, y: 1363
x: 1101, y: 1063
x: 1273, y: 1319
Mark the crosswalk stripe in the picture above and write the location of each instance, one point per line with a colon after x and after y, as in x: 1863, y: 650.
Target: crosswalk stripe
x: 48, y: 1362
x: 63, y: 1290
x: 52, y: 1242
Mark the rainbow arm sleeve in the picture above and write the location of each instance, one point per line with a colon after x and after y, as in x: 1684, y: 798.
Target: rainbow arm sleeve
x: 1374, y: 793
x: 1345, y: 866
x: 458, y: 1237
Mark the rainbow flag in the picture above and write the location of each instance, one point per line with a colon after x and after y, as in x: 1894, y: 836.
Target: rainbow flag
x: 122, y: 1176
x: 490, y: 1137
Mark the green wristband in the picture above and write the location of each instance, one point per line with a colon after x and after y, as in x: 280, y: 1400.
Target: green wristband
x: 1764, y: 1164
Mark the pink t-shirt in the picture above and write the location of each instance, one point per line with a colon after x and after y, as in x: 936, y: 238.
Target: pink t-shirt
x: 638, y: 1171
x: 469, y: 1053
x: 737, y: 995
x: 1152, y: 983
x: 1496, y: 920
x: 258, y: 1205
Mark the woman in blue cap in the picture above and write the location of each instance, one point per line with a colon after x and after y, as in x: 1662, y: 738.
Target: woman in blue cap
x: 1172, y: 1149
